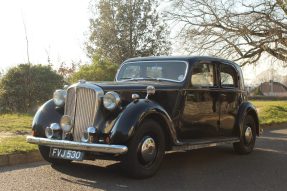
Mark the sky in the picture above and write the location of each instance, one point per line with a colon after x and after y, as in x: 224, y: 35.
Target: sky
x: 57, y: 29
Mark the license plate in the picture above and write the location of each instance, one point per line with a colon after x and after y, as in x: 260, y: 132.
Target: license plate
x: 66, y: 154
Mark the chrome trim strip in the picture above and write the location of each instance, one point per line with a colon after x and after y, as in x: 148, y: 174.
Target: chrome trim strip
x: 101, y: 148
x: 166, y: 79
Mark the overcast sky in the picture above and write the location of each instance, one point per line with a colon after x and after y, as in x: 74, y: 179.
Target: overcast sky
x: 55, y: 28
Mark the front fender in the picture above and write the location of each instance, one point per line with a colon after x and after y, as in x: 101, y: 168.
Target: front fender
x: 132, y: 116
x: 247, y: 108
x: 48, y: 113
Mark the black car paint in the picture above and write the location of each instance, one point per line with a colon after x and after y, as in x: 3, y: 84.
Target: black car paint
x: 246, y: 108
x: 167, y: 105
x: 134, y: 114
x: 48, y: 113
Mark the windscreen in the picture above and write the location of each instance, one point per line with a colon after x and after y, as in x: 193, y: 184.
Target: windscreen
x: 162, y: 70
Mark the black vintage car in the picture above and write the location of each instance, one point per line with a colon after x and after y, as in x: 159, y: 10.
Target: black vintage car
x: 155, y: 104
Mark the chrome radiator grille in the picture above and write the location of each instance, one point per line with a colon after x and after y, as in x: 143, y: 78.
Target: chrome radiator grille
x: 81, y: 105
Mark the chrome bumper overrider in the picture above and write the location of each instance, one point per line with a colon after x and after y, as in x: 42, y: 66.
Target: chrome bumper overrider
x: 101, y: 148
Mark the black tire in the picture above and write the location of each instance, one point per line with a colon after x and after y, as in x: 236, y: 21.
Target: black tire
x: 244, y: 146
x: 133, y: 163
x: 45, y: 154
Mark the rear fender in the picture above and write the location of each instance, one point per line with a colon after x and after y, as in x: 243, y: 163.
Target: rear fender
x: 247, y: 108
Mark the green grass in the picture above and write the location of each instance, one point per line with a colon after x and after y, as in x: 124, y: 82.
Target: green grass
x: 271, y: 112
x: 13, y: 128
x: 15, y: 144
x: 15, y: 123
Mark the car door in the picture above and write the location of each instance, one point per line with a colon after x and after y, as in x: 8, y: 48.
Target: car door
x: 229, y: 93
x: 200, y: 116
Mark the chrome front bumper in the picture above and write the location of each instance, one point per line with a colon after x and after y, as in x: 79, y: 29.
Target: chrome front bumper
x: 101, y: 148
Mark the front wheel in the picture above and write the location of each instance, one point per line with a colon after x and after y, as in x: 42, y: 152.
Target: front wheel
x: 247, y: 137
x: 145, y: 150
x: 45, y: 154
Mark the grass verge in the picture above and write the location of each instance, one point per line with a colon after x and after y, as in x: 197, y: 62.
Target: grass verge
x: 13, y: 131
x: 15, y: 123
x: 15, y: 144
x: 271, y: 112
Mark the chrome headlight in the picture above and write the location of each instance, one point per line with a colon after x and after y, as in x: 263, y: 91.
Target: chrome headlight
x: 111, y: 100
x: 66, y: 123
x: 54, y: 130
x: 59, y: 97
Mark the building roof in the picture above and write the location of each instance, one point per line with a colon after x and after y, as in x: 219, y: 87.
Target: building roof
x: 277, y: 87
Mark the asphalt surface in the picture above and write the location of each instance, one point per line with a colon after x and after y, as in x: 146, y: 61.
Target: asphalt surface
x: 217, y: 168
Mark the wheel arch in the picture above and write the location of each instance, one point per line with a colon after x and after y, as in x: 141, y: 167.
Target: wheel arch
x: 163, y: 124
x: 247, y: 108
x: 254, y: 114
x: 48, y: 113
x: 134, y: 114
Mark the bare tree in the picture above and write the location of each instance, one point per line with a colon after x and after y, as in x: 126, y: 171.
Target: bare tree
x: 234, y: 29
x: 26, y: 38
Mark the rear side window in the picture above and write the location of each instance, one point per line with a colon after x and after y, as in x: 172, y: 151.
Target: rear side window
x: 228, y: 76
x: 203, y: 75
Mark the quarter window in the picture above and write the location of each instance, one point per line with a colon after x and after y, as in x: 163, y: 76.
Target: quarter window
x: 202, y: 75
x: 228, y: 76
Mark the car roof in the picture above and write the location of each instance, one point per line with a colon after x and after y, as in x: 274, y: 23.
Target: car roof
x: 183, y: 58
x: 191, y: 59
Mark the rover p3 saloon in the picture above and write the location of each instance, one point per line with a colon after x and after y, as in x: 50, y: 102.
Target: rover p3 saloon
x: 155, y: 104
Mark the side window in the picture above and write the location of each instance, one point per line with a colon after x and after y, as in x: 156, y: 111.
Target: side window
x: 228, y: 76
x: 202, y: 75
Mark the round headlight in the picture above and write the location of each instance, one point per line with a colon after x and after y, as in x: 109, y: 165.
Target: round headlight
x: 111, y: 100
x: 59, y: 97
x: 66, y: 123
x: 53, y: 130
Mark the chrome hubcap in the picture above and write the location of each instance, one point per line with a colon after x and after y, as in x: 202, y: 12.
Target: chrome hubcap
x: 148, y: 149
x: 248, y: 134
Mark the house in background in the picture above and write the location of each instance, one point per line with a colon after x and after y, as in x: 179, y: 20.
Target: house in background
x: 272, y: 88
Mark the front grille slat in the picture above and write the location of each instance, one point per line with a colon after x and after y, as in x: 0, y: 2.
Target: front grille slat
x: 83, y: 109
x: 70, y: 102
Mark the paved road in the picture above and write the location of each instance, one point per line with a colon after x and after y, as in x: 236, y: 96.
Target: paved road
x: 213, y: 169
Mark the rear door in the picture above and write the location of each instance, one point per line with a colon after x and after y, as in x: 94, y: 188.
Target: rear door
x: 200, y: 117
x: 229, y: 93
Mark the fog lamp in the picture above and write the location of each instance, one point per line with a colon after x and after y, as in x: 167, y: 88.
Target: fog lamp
x: 89, y: 136
x: 53, y: 131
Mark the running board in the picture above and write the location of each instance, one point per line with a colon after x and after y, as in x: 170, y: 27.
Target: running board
x: 198, y: 144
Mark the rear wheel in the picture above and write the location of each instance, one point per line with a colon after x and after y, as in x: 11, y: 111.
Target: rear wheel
x: 247, y: 137
x: 45, y: 154
x: 145, y: 150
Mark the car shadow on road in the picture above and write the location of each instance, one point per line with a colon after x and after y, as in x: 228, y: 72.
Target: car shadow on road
x: 217, y: 168
x: 181, y: 167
